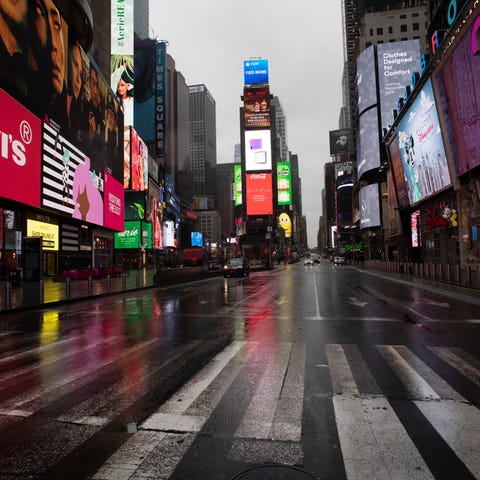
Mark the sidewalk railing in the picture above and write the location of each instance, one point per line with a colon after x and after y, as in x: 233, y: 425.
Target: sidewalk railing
x: 466, y: 275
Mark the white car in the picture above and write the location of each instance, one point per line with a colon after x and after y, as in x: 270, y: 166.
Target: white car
x: 308, y: 261
x: 338, y: 260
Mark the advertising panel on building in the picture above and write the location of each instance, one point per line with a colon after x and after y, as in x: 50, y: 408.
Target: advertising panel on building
x: 255, y: 71
x: 256, y: 107
x: 258, y: 150
x: 340, y: 142
x: 368, y: 200
x: 47, y: 231
x: 421, y: 147
x: 20, y: 143
x: 144, y: 111
x: 459, y: 88
x: 259, y: 195
x: 237, y: 184
x: 138, y: 162
x: 284, y: 183
x: 366, y: 80
x: 368, y: 149
x: 396, y: 167
x: 160, y: 99
x: 69, y: 183
x: 114, y: 200
x: 396, y: 63
x: 137, y: 235
x: 122, y: 69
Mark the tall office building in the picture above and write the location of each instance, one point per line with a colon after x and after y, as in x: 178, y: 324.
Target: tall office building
x: 141, y: 19
x: 280, y: 128
x: 203, y: 141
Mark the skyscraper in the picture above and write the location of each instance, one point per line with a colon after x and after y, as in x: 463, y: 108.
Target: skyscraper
x: 203, y: 141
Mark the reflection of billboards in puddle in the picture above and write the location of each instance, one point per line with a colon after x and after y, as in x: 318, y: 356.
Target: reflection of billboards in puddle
x: 258, y: 154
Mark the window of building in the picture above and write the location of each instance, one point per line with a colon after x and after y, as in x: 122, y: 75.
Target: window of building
x: 371, y: 32
x: 416, y: 26
x: 380, y: 31
x: 403, y: 16
x: 390, y: 29
x: 403, y: 28
x: 415, y: 14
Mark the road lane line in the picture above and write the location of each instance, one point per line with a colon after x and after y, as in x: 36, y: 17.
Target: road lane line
x: 317, y: 300
x: 449, y: 356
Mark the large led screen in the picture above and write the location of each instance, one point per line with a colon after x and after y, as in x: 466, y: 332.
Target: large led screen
x: 284, y: 183
x: 368, y: 200
x: 340, y: 142
x: 255, y: 71
x: 122, y: 71
x: 138, y: 162
x: 368, y: 151
x: 256, y: 107
x: 237, y: 184
x: 20, y: 143
x: 70, y: 184
x: 421, y: 147
x: 258, y: 150
x: 366, y: 80
x: 114, y: 203
x: 460, y: 91
x: 259, y: 193
x: 398, y: 174
x: 396, y: 63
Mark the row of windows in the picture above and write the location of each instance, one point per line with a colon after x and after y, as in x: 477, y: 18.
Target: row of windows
x: 403, y: 28
x: 391, y: 40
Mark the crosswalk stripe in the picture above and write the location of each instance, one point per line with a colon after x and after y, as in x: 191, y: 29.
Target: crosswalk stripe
x: 454, y: 358
x: 341, y: 375
x: 374, y: 443
x: 420, y: 380
x: 459, y: 425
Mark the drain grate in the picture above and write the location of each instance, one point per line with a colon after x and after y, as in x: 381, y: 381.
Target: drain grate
x: 273, y: 472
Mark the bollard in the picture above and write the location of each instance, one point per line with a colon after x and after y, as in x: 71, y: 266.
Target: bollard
x: 67, y: 287
x: 108, y: 283
x: 8, y: 295
x: 137, y: 278
x: 42, y: 291
x: 89, y: 286
x: 124, y: 281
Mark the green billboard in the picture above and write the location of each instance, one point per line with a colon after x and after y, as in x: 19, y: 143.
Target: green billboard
x: 284, y: 183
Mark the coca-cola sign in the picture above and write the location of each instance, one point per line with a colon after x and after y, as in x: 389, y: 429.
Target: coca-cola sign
x: 20, y: 142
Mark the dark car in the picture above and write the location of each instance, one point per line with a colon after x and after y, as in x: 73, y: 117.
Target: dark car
x: 236, y: 267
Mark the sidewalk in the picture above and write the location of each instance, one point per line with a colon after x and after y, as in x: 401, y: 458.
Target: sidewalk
x: 54, y: 290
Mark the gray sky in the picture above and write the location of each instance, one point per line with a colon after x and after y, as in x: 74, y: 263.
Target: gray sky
x: 302, y: 40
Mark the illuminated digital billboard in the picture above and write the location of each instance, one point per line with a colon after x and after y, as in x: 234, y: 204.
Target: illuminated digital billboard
x: 284, y: 183
x: 396, y: 63
x: 114, y: 203
x: 368, y: 150
x: 340, y: 142
x: 259, y: 193
x: 422, y: 150
x: 366, y: 80
x: 368, y: 200
x: 255, y: 71
x: 237, y: 185
x: 256, y: 107
x: 122, y: 74
x: 21, y: 136
x: 258, y: 150
x: 48, y: 232
x: 460, y: 91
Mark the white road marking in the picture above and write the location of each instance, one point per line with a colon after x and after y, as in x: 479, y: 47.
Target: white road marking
x: 449, y: 356
x: 356, y: 302
x: 340, y: 373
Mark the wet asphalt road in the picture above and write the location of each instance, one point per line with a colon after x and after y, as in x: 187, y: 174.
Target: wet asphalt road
x: 339, y: 372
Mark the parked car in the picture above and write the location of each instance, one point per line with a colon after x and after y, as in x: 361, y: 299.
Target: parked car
x: 236, y: 267
x: 338, y: 260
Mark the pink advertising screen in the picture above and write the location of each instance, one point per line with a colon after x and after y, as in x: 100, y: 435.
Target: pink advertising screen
x: 114, y: 203
x: 20, y: 143
x: 259, y: 194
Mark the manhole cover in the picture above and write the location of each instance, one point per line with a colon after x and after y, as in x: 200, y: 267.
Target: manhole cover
x: 273, y: 472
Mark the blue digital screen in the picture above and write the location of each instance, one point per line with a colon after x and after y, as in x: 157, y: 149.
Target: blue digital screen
x: 197, y: 239
x: 255, y: 71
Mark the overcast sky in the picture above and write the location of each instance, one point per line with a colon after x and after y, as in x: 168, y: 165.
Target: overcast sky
x: 302, y: 40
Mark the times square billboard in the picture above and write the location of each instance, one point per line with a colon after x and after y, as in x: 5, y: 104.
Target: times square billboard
x: 81, y: 114
x: 255, y: 71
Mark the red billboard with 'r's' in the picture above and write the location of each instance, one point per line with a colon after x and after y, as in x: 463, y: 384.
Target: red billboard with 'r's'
x: 20, y: 144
